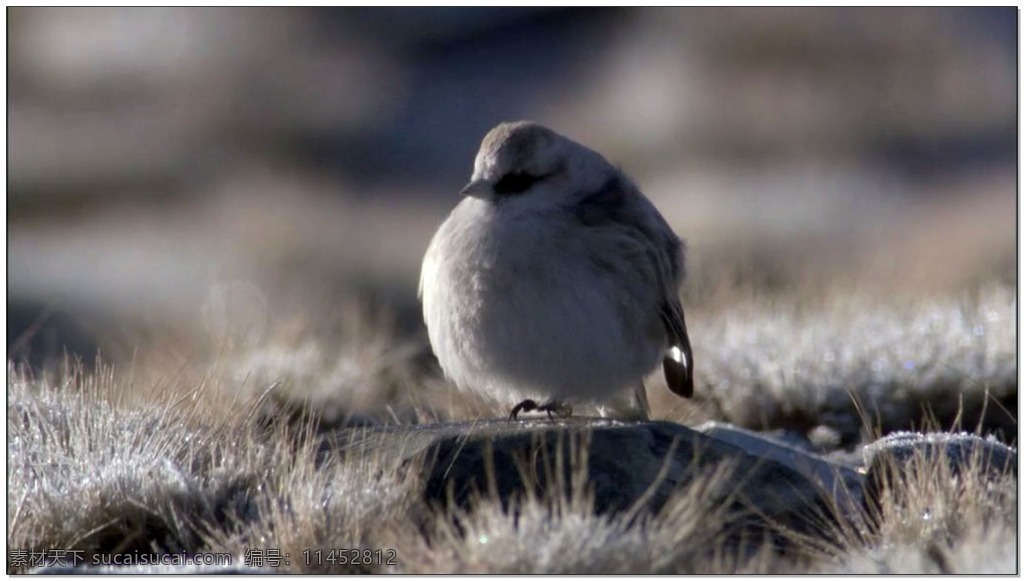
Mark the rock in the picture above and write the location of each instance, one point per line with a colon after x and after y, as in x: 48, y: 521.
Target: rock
x: 824, y: 436
x: 897, y: 451
x: 629, y: 464
x: 843, y: 482
x: 959, y: 449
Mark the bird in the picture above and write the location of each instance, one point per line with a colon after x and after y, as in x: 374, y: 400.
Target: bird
x: 554, y: 279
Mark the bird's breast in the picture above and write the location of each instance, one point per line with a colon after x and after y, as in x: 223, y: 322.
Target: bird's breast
x: 516, y: 303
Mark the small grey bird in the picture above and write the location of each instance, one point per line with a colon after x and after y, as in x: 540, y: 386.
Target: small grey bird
x: 555, y: 278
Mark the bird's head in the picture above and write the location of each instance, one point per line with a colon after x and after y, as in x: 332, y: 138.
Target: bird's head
x: 522, y: 159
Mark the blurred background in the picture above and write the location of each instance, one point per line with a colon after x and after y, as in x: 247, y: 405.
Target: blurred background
x: 180, y: 170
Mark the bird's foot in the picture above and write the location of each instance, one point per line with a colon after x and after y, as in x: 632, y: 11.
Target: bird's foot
x: 552, y: 407
x: 527, y: 405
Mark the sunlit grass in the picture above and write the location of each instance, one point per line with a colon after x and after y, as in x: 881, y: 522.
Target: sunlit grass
x: 238, y: 448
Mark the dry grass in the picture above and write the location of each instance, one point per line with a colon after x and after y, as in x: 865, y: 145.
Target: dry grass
x: 98, y: 476
x: 87, y: 473
x: 216, y: 447
x: 558, y: 532
x: 932, y: 518
x: 902, y: 359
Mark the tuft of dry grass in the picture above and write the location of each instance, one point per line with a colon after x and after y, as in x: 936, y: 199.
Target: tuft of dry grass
x: 90, y: 474
x: 93, y: 474
x: 933, y: 514
x: 316, y: 509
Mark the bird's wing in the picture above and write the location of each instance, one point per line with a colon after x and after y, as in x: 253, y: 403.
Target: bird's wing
x: 638, y: 225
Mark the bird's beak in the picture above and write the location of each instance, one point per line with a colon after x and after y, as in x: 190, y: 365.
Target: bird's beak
x: 480, y: 189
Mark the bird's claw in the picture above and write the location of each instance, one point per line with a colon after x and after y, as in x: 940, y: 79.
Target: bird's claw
x: 553, y: 408
x: 527, y: 405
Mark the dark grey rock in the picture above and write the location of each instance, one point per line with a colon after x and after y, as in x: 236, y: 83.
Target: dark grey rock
x: 843, y: 482
x: 895, y: 452
x: 960, y: 450
x: 631, y: 466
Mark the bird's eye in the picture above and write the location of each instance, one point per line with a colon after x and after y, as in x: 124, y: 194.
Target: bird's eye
x: 515, y: 183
